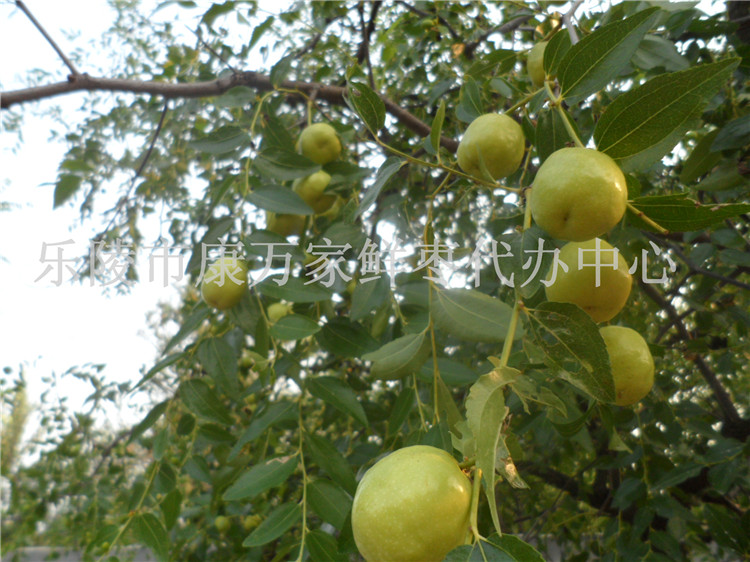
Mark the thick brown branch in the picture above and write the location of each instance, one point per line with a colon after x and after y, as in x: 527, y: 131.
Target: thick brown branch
x: 261, y: 82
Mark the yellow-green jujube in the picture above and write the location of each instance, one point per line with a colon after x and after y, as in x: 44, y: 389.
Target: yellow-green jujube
x: 412, y: 505
x: 224, y: 283
x: 277, y: 311
x: 578, y: 194
x: 535, y: 64
x: 311, y: 190
x: 603, y: 300
x: 320, y: 143
x: 494, y: 139
x: 222, y: 523
x: 285, y: 225
x: 632, y: 363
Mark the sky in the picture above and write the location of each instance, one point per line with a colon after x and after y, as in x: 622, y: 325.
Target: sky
x: 46, y: 327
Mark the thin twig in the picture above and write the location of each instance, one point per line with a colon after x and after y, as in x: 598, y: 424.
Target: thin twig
x: 567, y: 20
x: 22, y: 6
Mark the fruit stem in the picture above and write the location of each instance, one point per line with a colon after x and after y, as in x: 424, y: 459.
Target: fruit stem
x: 557, y: 103
x: 510, y: 336
x: 649, y: 221
x: 476, y: 487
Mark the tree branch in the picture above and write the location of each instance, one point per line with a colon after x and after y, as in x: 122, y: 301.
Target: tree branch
x: 261, y: 82
x: 22, y: 6
x: 734, y: 425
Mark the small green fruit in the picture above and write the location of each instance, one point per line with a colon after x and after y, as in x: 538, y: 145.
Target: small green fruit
x: 222, y: 524
x: 277, y: 311
x: 224, y: 283
x: 311, y: 190
x: 495, y: 140
x: 632, y: 364
x: 320, y: 143
x: 578, y: 194
x: 285, y: 225
x: 578, y: 285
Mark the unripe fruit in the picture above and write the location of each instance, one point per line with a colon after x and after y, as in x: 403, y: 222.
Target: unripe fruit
x: 632, y: 363
x: 535, y: 64
x: 411, y: 505
x: 320, y: 143
x: 250, y: 522
x: 494, y: 139
x: 311, y: 191
x: 224, y: 283
x: 579, y: 286
x: 285, y: 225
x: 222, y: 523
x: 277, y: 311
x: 578, y: 194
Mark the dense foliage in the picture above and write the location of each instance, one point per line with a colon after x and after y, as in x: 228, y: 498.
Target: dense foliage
x: 261, y: 429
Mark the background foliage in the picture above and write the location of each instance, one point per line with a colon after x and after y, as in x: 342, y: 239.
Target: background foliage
x: 271, y: 425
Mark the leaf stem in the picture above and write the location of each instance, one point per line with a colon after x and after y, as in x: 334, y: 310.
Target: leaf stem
x: 557, y: 103
x: 649, y: 221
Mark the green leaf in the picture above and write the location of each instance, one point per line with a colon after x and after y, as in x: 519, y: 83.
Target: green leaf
x: 486, y: 65
x: 735, y: 134
x: 221, y: 141
x: 596, y: 59
x: 151, y: 418
x: 368, y: 106
x: 278, y: 522
x: 160, y: 366
x: 470, y: 106
x: 220, y: 361
x: 643, y: 124
x: 452, y: 372
x: 202, y: 401
x: 368, y: 296
x: 280, y: 70
x: 170, y: 507
x: 217, y: 228
x: 677, y: 475
x: 191, y: 324
x: 278, y: 199
x: 278, y: 412
x: 294, y: 327
x: 284, y: 165
x: 328, y: 457
x: 322, y: 546
x: 261, y: 477
x: 471, y: 315
x: 437, y: 126
x: 551, y: 134
x: 294, y: 290
x: 555, y: 51
x: 701, y: 159
x: 677, y: 213
x: 149, y: 531
x: 727, y: 529
x: 400, y: 411
x: 391, y: 165
x: 338, y: 394
x: 65, y: 188
x: 329, y: 501
x: 275, y: 133
x: 485, y: 412
x: 345, y: 338
x: 515, y: 549
x: 656, y: 51
x: 259, y: 30
x: 573, y: 344
x: 400, y: 357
